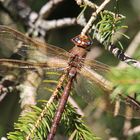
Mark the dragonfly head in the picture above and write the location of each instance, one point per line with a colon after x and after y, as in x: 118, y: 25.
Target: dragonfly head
x: 83, y: 41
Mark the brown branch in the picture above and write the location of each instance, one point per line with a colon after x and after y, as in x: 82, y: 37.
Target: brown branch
x: 131, y: 48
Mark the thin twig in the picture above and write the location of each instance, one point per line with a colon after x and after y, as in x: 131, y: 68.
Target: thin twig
x: 86, y: 2
x: 133, y: 131
x: 113, y: 138
x: 75, y: 105
x: 93, y: 17
x: 131, y: 48
x: 48, y: 7
x: 53, y: 24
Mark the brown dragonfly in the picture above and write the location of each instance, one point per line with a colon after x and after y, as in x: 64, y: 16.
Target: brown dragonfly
x: 34, y: 54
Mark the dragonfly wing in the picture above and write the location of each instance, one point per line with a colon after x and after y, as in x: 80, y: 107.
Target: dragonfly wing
x: 97, y: 90
x: 92, y: 83
x: 97, y: 66
x: 96, y: 72
x: 31, y: 65
x: 12, y: 41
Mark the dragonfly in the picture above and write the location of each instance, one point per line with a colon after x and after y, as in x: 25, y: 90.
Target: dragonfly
x: 37, y: 55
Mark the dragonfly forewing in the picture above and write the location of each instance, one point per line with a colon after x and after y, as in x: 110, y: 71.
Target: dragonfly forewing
x: 96, y: 65
x: 52, y: 64
x: 13, y: 41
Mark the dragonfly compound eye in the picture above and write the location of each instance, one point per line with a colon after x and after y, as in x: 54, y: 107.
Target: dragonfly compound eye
x: 82, y: 41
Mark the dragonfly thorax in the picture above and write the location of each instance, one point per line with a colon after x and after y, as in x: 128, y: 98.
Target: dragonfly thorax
x: 75, y: 63
x: 78, y: 53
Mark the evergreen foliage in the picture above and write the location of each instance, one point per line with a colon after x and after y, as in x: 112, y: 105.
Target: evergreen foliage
x: 36, y: 124
x: 109, y: 25
x: 126, y: 81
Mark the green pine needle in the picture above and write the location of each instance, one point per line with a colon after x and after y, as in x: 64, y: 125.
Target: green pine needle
x: 108, y: 26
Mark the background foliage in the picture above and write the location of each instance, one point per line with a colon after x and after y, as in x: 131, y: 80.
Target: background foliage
x: 105, y: 125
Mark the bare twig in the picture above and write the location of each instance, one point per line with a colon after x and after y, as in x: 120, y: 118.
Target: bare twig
x: 5, y: 90
x: 75, y: 105
x: 48, y: 7
x: 93, y: 17
x: 7, y: 85
x: 87, y: 2
x: 127, y: 126
x: 53, y: 24
x: 113, y: 138
x: 133, y: 131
